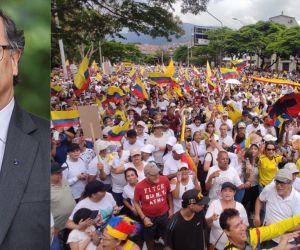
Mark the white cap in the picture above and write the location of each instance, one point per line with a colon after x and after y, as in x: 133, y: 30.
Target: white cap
x: 269, y: 137
x: 141, y: 123
x: 171, y: 141
x: 178, y: 149
x: 101, y: 145
x: 292, y: 167
x: 295, y: 137
x: 148, y: 148
x: 183, y: 165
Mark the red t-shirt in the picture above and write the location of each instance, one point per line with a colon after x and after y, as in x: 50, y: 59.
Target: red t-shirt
x: 153, y: 197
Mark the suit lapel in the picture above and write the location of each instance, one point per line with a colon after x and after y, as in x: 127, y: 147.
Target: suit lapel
x: 19, y: 155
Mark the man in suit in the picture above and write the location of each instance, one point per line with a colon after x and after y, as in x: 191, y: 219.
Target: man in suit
x: 24, y: 157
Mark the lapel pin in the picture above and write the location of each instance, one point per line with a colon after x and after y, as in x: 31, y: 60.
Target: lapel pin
x: 16, y: 162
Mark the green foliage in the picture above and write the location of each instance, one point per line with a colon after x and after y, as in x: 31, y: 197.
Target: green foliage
x: 32, y: 92
x: 117, y: 52
x: 89, y: 21
x: 180, y: 54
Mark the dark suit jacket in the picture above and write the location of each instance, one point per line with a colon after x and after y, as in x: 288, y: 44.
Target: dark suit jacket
x: 25, y: 184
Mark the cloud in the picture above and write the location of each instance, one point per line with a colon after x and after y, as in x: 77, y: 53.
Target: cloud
x: 246, y: 11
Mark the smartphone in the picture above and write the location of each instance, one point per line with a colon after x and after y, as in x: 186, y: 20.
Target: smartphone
x: 56, y: 135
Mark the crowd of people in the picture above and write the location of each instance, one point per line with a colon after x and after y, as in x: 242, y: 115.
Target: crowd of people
x: 196, y: 167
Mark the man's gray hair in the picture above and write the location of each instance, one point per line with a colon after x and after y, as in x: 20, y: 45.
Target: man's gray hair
x: 14, y: 37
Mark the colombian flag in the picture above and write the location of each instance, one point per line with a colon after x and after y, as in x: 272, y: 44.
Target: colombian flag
x: 117, y: 132
x: 244, y: 144
x: 82, y: 78
x: 115, y: 94
x: 62, y: 119
x: 238, y: 64
x: 139, y: 89
x: 228, y: 73
x: 160, y: 78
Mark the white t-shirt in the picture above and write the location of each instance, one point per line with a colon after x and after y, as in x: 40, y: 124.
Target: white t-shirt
x: 230, y: 174
x: 277, y: 208
x: 143, y: 139
x: 171, y: 166
x: 93, y: 170
x: 157, y: 143
x: 128, y: 193
x: 166, y: 156
x: 87, y: 155
x: 163, y: 105
x: 137, y: 145
x: 177, y: 202
x: 141, y: 175
x: 215, y: 207
x: 104, y: 206
x: 214, y: 154
x: 296, y: 184
x: 118, y: 180
x: 227, y: 140
x: 251, y: 128
x: 74, y: 169
x: 79, y: 237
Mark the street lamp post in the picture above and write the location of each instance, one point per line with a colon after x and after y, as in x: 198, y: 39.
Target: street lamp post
x: 236, y: 19
x: 221, y: 27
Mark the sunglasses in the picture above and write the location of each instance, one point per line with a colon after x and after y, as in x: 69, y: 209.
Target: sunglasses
x: 271, y: 149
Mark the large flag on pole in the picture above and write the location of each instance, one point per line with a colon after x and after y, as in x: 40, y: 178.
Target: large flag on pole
x: 82, y: 78
x: 170, y: 70
x: 228, y: 73
x: 62, y: 119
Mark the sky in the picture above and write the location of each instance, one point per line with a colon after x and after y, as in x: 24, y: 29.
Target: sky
x: 246, y: 11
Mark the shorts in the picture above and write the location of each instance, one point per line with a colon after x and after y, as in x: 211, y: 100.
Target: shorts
x: 158, y: 229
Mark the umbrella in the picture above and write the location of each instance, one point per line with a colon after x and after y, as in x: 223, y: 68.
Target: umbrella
x: 233, y: 81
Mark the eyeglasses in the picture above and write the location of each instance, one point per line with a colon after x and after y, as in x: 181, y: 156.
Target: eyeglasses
x: 270, y: 149
x: 281, y: 183
x: 2, y: 48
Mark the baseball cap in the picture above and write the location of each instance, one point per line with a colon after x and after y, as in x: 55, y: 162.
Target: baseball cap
x: 95, y: 187
x: 157, y: 125
x: 194, y: 196
x: 148, y: 148
x: 225, y: 113
x: 295, y: 137
x: 56, y: 167
x: 178, y: 149
x: 228, y: 184
x: 135, y: 151
x: 141, y: 123
x: 241, y: 125
x: 270, y: 137
x: 171, y: 141
x: 151, y: 169
x: 284, y: 175
x: 183, y: 165
x: 101, y: 145
x: 292, y: 167
x: 172, y: 105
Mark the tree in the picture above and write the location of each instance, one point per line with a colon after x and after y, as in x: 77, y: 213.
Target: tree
x: 258, y: 36
x: 180, y: 54
x: 88, y: 21
x: 217, y: 40
x: 117, y: 51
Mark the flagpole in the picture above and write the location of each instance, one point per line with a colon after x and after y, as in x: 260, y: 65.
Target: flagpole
x: 100, y: 54
x: 61, y: 46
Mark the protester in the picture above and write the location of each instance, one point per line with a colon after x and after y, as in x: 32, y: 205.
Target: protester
x: 239, y: 237
x: 186, y: 229
x: 153, y: 203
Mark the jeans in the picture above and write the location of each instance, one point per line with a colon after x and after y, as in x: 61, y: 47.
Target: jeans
x: 55, y: 243
x: 239, y: 195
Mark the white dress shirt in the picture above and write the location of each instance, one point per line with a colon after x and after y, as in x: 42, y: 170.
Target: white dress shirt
x: 5, y: 115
